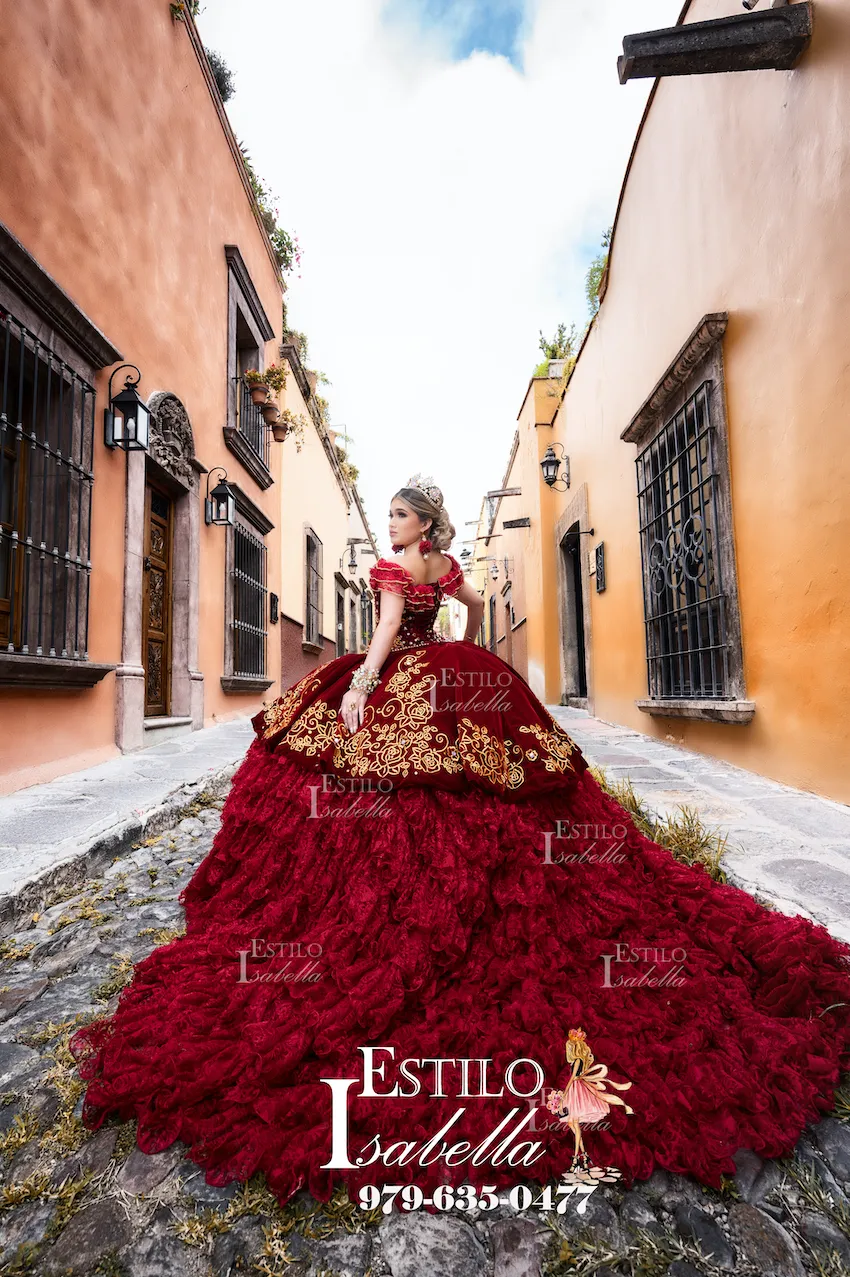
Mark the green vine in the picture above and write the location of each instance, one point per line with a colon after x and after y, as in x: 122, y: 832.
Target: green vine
x: 286, y: 247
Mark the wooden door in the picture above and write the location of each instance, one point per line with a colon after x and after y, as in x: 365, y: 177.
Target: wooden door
x: 156, y: 602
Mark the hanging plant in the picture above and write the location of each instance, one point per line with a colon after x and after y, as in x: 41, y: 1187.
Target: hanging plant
x: 293, y: 424
x: 257, y: 384
x: 275, y: 377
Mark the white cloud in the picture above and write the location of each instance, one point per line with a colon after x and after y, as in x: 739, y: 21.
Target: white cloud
x: 443, y: 209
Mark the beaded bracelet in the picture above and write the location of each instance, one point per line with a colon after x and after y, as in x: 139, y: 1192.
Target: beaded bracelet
x: 365, y: 679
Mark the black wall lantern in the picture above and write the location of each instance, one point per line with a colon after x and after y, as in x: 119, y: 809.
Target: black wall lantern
x: 551, y: 464
x: 126, y: 422
x: 220, y: 504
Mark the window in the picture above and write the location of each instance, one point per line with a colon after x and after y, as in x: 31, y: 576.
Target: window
x: 685, y: 604
x: 692, y: 622
x: 249, y: 604
x: 249, y: 417
x: 248, y: 329
x: 246, y: 599
x: 313, y: 607
x: 46, y: 452
x: 492, y: 622
x: 341, y: 586
x: 366, y: 616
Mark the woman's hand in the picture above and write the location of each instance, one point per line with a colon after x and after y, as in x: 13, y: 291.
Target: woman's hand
x: 351, y: 709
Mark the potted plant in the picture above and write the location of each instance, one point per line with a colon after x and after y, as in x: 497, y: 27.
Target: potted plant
x: 289, y: 423
x: 270, y: 412
x: 257, y: 384
x: 275, y: 377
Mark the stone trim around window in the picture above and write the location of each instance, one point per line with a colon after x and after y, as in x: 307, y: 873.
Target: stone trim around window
x: 645, y: 424
x: 315, y: 645
x: 49, y: 673
x: 700, y: 360
x: 248, y: 295
x: 243, y: 302
x: 710, y: 711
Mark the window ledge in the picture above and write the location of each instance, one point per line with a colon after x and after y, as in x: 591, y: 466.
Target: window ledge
x: 709, y: 711
x: 245, y: 683
x: 49, y: 672
x: 251, y: 460
x: 315, y: 649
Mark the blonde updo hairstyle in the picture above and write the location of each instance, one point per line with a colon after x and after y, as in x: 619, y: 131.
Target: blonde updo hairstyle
x: 442, y: 531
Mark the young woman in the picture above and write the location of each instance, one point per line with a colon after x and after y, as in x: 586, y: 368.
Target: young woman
x: 418, y: 886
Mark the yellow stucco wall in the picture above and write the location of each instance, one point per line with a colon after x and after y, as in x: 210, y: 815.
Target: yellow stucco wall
x: 738, y: 200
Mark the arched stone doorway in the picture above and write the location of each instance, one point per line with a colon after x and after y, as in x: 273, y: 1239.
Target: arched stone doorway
x: 159, y: 689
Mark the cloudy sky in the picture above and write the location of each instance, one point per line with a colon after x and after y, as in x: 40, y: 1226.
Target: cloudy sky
x: 449, y: 167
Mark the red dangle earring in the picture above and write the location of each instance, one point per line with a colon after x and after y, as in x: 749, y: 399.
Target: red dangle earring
x: 398, y: 549
x: 425, y: 546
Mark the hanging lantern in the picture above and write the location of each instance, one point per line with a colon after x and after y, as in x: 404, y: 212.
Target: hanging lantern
x: 220, y: 504
x: 126, y: 422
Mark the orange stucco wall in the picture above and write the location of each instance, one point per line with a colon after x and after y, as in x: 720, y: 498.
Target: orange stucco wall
x: 118, y: 178
x: 738, y: 199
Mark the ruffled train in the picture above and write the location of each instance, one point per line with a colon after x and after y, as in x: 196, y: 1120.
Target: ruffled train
x: 436, y: 923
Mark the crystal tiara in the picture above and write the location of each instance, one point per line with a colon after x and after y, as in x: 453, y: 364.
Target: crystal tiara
x: 427, y: 485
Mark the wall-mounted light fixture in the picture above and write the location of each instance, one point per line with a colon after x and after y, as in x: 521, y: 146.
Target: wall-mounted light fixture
x: 353, y: 542
x: 220, y: 504
x: 551, y: 464
x: 126, y: 422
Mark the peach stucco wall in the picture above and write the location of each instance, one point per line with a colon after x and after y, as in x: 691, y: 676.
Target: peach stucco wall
x: 118, y: 178
x: 310, y: 494
x: 738, y: 200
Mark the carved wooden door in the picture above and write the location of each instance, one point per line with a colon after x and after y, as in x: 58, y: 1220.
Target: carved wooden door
x: 156, y: 602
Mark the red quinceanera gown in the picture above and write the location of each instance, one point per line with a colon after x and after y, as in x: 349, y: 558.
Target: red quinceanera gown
x: 450, y: 882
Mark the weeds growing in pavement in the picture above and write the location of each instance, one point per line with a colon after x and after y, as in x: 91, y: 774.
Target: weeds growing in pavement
x: 683, y: 835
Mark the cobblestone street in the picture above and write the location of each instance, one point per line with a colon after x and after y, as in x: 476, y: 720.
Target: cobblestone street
x: 79, y: 1203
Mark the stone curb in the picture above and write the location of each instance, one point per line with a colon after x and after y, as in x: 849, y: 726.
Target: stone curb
x: 88, y: 858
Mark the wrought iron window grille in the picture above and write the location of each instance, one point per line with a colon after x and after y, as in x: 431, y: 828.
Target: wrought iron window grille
x: 685, y: 604
x: 249, y: 603
x: 47, y: 413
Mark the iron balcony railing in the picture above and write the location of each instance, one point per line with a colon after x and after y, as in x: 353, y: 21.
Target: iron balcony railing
x: 251, y: 423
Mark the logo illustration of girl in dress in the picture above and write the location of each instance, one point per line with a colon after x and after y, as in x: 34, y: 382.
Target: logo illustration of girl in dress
x: 585, y: 1100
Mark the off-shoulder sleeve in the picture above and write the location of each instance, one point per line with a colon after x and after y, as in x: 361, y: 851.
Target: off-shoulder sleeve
x: 453, y: 579
x: 386, y: 575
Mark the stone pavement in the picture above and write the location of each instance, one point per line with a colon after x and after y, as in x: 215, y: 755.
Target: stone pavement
x: 49, y: 833
x: 786, y: 846
x: 76, y: 1203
